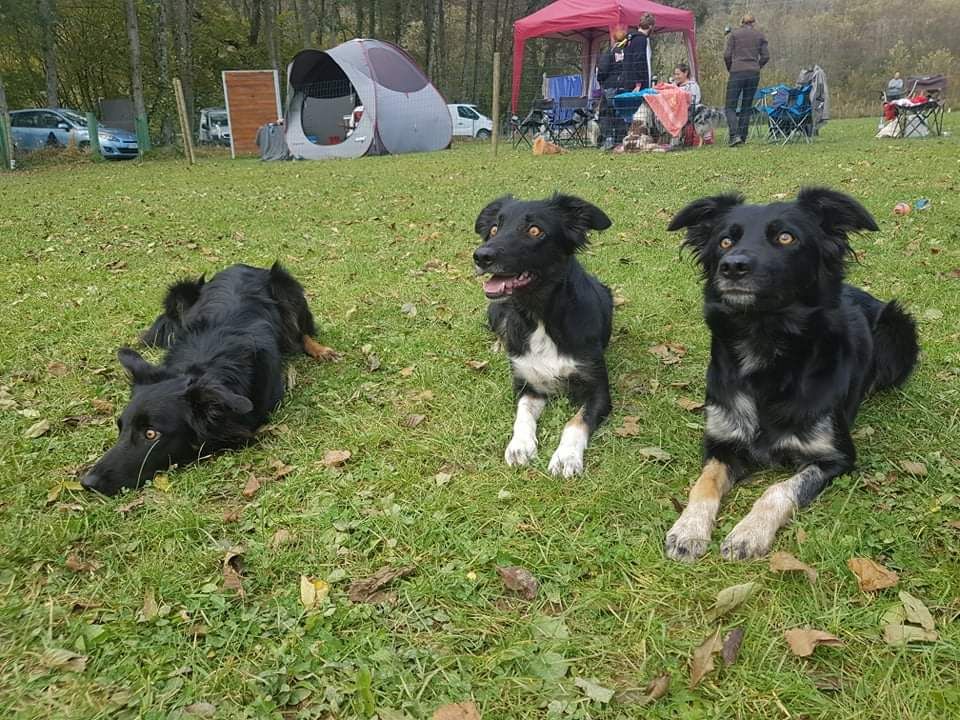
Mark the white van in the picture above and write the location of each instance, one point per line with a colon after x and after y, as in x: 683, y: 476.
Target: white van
x: 470, y: 122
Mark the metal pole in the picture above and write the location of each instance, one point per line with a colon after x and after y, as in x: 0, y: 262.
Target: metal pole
x: 184, y: 121
x: 495, y: 135
x: 93, y: 131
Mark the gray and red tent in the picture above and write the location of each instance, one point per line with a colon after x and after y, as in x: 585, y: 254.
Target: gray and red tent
x: 590, y: 23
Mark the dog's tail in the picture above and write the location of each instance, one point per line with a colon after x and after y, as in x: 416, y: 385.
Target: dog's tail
x: 181, y: 296
x: 895, y: 346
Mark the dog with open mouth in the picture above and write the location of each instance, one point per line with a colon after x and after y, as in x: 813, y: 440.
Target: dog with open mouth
x: 553, y: 318
x: 794, y: 351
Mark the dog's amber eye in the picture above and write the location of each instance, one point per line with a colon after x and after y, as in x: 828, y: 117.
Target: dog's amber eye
x: 534, y: 232
x: 785, y: 238
x: 726, y: 244
x: 493, y: 231
x: 151, y: 434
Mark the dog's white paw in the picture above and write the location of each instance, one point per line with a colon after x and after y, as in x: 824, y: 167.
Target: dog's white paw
x: 688, y: 539
x: 751, y: 538
x: 520, y: 451
x: 567, y: 461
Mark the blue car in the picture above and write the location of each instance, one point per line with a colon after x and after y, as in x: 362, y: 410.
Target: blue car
x: 58, y: 127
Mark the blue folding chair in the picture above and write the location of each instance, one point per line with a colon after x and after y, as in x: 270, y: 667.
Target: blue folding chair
x: 790, y: 115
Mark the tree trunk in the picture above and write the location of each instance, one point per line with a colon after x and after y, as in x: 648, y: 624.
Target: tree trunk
x: 308, y: 23
x: 397, y: 21
x: 136, y: 71
x: 428, y: 37
x: 477, y: 45
x: 468, y: 16
x: 48, y: 16
x: 256, y: 14
x: 162, y: 49
x: 360, y: 16
x: 184, y: 17
x: 269, y: 36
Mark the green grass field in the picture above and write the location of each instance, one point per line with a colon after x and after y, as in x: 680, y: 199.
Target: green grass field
x: 135, y: 597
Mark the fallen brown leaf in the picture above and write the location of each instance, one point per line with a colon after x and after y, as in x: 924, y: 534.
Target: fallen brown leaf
x: 457, y: 711
x: 232, y: 515
x: 252, y: 486
x: 629, y: 428
x: 478, y: 365
x: 653, y: 453
x: 731, y: 646
x: 899, y: 635
x: 282, y: 537
x: 702, y: 660
x: 690, y: 405
x: 519, y: 580
x: 336, y: 458
x: 135, y: 503
x: 66, y: 660
x: 914, y: 468
x: 57, y: 369
x: 150, y: 609
x: 619, y: 300
x: 802, y: 641
x: 656, y: 689
x: 406, y: 372
x: 232, y: 571
x: 916, y: 611
x: 104, y: 407
x: 73, y: 563
x: 313, y: 592
x: 668, y: 353
x: 412, y: 421
x: 201, y: 709
x: 785, y: 562
x: 38, y: 429
x: 801, y: 535
x: 872, y: 576
x: 367, y: 590
x: 280, y: 469
x: 730, y: 599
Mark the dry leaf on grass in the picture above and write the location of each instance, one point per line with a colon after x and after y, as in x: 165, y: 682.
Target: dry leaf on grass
x: 232, y: 515
x: 457, y: 711
x: 655, y: 689
x: 161, y: 482
x: 899, y: 635
x: 730, y: 599
x: 406, y: 372
x: 872, y: 576
x: 104, y: 407
x: 280, y: 469
x: 702, y: 660
x: 73, y: 563
x: 252, y: 486
x: 38, y: 429
x: 313, y: 592
x: 654, y: 453
x: 802, y: 641
x: 57, y: 369
x: 629, y: 428
x: 690, y: 405
x: 785, y: 562
x: 282, y: 537
x: 150, y: 610
x: 731, y: 646
x: 369, y: 590
x: 412, y: 421
x: 594, y: 690
x: 201, y: 709
x: 914, y: 468
x: 916, y: 611
x: 232, y: 571
x: 133, y: 504
x: 336, y: 458
x: 519, y: 580
x: 478, y: 365
x: 669, y: 353
x: 66, y: 660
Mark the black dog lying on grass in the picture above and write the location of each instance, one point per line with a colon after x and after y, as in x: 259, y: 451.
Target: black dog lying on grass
x: 221, y: 377
x: 794, y: 351
x: 553, y: 318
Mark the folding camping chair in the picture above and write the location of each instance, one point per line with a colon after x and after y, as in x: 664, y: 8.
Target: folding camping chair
x: 538, y: 120
x: 790, y: 115
x: 570, y: 122
x: 924, y: 118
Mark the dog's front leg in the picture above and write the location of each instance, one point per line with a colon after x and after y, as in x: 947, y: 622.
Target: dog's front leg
x: 319, y: 352
x: 688, y: 538
x: 567, y: 460
x: 523, y: 445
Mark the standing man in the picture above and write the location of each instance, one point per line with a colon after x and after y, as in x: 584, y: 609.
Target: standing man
x: 610, y: 77
x: 745, y: 54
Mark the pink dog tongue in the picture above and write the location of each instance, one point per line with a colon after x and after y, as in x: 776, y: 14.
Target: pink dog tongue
x: 496, y: 285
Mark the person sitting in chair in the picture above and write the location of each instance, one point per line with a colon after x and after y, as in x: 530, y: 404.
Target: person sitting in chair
x: 895, y: 87
x: 682, y: 79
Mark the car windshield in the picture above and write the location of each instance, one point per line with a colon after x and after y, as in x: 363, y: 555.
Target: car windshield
x: 74, y: 117
x: 220, y: 120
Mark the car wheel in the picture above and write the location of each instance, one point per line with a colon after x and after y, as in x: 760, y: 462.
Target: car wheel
x: 483, y: 134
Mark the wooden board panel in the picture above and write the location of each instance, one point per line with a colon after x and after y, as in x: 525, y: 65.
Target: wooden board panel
x: 253, y: 100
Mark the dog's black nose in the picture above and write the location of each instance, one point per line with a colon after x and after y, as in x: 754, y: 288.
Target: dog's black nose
x: 734, y: 267
x: 484, y: 255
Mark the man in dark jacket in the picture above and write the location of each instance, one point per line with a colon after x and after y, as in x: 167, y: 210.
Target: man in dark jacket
x: 745, y: 54
x: 610, y: 77
x: 637, y: 63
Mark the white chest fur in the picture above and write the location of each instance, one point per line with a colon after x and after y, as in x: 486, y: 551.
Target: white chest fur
x: 542, y: 366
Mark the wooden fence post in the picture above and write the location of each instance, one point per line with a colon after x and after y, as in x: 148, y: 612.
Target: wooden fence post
x: 184, y: 122
x: 495, y: 135
x: 6, y: 139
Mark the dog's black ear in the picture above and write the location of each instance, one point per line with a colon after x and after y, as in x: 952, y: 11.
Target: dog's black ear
x: 139, y: 370
x: 210, y: 399
x: 704, y: 211
x: 837, y: 213
x: 579, y: 215
x: 488, y: 216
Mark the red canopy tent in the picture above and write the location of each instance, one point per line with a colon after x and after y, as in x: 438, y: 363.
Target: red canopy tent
x: 590, y: 21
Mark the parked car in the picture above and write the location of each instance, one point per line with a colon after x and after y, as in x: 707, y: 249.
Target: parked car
x: 214, y: 127
x: 59, y: 127
x: 469, y: 121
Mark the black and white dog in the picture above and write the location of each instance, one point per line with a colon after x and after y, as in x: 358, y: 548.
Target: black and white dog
x: 552, y: 316
x: 794, y: 351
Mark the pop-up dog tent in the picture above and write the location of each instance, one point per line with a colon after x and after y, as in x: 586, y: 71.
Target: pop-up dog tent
x: 402, y: 111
